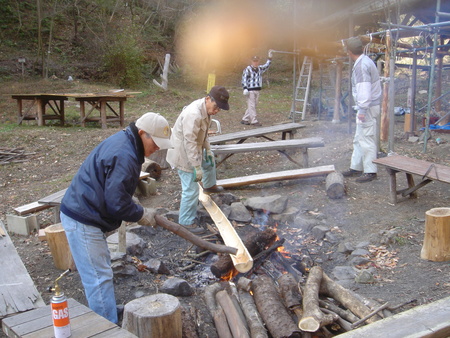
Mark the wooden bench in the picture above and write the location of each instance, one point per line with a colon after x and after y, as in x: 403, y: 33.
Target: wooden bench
x: 281, y: 146
x: 411, y: 166
x: 276, y: 176
x: 53, y: 201
x: 287, y: 129
x: 83, y: 323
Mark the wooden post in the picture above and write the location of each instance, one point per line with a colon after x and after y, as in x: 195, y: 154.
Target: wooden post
x: 337, y: 94
x: 384, y: 107
x: 436, y: 243
x: 59, y: 247
x: 153, y: 316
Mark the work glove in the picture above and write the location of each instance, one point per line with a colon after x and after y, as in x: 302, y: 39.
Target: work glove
x: 135, y: 200
x: 270, y: 54
x: 245, y: 92
x: 210, y: 157
x: 148, y: 218
x: 198, y: 173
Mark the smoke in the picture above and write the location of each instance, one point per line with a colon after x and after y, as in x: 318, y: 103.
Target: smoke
x: 226, y: 34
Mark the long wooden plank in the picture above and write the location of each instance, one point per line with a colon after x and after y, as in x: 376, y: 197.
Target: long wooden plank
x: 257, y: 132
x: 414, y: 166
x: 276, y: 176
x: 312, y: 142
x: 30, y: 208
x: 430, y: 320
x: 17, y: 290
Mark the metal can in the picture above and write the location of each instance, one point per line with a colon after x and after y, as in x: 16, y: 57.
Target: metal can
x: 60, y: 316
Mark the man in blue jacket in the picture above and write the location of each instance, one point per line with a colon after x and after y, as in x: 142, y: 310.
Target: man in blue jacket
x: 100, y: 198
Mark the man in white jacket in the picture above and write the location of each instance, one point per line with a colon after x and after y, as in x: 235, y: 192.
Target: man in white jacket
x: 191, y: 154
x: 366, y: 90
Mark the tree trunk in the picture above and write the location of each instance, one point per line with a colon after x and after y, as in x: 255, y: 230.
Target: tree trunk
x: 235, y: 322
x: 335, y: 185
x: 254, y: 242
x: 278, y: 320
x: 157, y: 315
x: 59, y: 247
x: 436, y: 243
x: 313, y: 318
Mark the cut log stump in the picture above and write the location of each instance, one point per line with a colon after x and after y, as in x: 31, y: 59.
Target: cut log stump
x: 436, y: 243
x: 59, y: 247
x: 154, y: 316
x: 335, y: 185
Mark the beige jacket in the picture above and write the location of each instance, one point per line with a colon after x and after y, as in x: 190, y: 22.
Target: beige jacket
x: 190, y: 137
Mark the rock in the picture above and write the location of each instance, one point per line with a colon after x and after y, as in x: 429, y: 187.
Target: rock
x: 226, y: 209
x: 273, y: 204
x: 344, y: 273
x: 364, y: 277
x: 345, y: 248
x: 156, y: 266
x: 239, y: 213
x: 364, y: 244
x: 121, y: 269
x: 360, y: 252
x: 359, y: 260
x: 306, y: 224
x: 225, y: 198
x: 318, y: 232
x: 135, y: 244
x: 177, y: 287
x: 287, y: 216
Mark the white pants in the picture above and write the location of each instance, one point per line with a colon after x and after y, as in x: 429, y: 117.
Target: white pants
x: 364, y: 143
x: 252, y: 102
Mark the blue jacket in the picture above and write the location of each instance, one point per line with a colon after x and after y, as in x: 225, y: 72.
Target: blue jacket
x: 101, y: 192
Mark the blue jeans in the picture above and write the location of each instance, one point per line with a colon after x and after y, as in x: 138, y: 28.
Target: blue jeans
x: 189, y: 194
x: 93, y: 261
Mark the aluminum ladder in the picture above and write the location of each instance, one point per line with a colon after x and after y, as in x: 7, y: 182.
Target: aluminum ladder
x: 302, y: 89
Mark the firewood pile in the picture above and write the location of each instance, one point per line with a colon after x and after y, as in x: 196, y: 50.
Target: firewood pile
x: 275, y: 299
x: 13, y: 155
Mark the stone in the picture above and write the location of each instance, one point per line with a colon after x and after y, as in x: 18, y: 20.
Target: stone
x: 344, y: 273
x: 360, y: 252
x: 135, y: 244
x: 177, y: 287
x: 318, y: 232
x: 288, y: 216
x: 239, y: 213
x: 364, y: 277
x: 345, y: 248
x: 273, y: 204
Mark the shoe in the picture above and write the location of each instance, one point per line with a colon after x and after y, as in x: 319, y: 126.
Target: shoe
x: 214, y: 189
x: 245, y: 122
x: 256, y: 124
x: 194, y: 228
x: 120, y: 309
x: 366, y: 178
x: 351, y: 172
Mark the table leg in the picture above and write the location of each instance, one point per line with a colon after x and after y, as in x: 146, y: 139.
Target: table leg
x: 392, y: 185
x: 41, y: 112
x: 103, y: 113
x: 121, y: 112
x: 82, y: 114
x: 19, y: 115
x: 61, y: 111
x: 411, y: 184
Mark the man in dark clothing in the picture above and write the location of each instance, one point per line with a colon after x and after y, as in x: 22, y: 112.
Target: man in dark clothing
x: 100, y: 198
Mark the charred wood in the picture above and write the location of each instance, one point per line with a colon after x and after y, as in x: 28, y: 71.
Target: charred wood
x: 345, y: 314
x: 291, y: 294
x: 313, y: 318
x: 255, y: 243
x: 270, y: 306
x: 345, y: 325
x: 187, y: 235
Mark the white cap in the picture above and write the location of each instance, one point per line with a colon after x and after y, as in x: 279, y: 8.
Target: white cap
x: 158, y: 128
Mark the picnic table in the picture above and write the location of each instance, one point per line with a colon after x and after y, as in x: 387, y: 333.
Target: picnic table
x: 51, y: 106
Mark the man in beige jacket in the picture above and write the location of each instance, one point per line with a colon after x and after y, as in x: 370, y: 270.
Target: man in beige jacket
x: 191, y: 154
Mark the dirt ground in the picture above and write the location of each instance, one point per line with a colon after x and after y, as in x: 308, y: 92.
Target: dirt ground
x: 364, y: 214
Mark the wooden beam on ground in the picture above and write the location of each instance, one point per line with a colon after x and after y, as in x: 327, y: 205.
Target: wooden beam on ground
x: 430, y: 320
x: 277, y: 176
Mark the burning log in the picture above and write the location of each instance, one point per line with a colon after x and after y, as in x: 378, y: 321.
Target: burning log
x: 344, y: 296
x: 216, y: 311
x: 255, y: 243
x: 235, y: 322
x: 313, y: 319
x: 278, y: 320
x: 186, y: 234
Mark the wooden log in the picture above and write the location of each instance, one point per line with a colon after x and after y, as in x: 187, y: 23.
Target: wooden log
x: 291, y: 294
x: 220, y: 320
x: 153, y: 316
x: 347, y: 298
x: 344, y: 314
x: 186, y: 234
x: 255, y: 242
x: 313, y: 318
x: 334, y: 185
x: 436, y: 243
x: 59, y: 247
x: 235, y: 322
x: 254, y: 321
x: 270, y: 306
x: 153, y: 168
